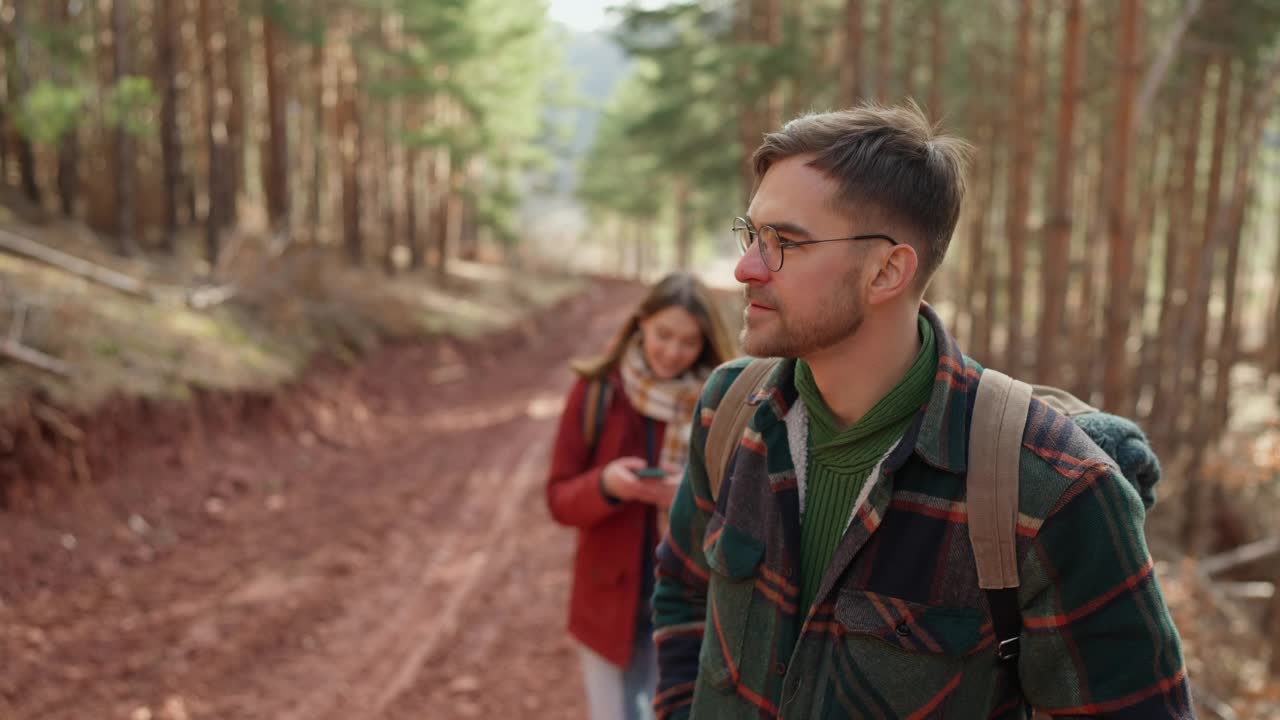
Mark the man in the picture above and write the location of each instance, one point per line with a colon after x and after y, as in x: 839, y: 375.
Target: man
x: 831, y: 574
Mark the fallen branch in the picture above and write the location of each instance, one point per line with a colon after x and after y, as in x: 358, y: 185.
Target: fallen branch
x: 1242, y: 555
x: 24, y: 247
x: 203, y: 298
x: 57, y: 422
x: 1253, y: 590
x: 30, y: 356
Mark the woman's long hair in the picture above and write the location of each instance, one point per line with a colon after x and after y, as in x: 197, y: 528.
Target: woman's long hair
x: 680, y: 289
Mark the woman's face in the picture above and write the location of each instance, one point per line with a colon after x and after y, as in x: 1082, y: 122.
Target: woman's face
x: 672, y: 341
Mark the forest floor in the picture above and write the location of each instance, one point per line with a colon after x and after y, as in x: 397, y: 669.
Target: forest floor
x: 370, y: 542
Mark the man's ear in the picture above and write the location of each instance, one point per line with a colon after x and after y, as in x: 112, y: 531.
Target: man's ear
x: 895, y: 273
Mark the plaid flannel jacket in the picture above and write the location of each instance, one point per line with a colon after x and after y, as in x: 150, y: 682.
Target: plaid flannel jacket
x: 899, y: 627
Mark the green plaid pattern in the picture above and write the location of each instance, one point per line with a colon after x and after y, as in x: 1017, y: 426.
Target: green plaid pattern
x: 899, y: 627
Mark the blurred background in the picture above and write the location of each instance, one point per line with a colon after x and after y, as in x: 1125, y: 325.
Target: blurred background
x: 288, y: 287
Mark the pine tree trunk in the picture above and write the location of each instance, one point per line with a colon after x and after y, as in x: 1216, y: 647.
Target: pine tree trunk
x: 68, y: 172
x: 749, y: 125
x: 1116, y: 371
x: 388, y: 168
x: 27, y: 169
x: 1228, y: 332
x: 215, y: 135
x: 453, y: 210
x: 911, y: 61
x: 1142, y: 197
x: 805, y: 86
x: 683, y: 229
x: 232, y: 52
x: 468, y: 227
x: 639, y: 245
x: 989, y: 276
x: 884, y: 47
x: 1162, y: 176
x: 756, y: 22
x: 1189, y: 362
x: 69, y: 144
x: 417, y: 253
x: 349, y: 129
x: 936, y: 46
x: 1173, y: 302
x: 191, y: 125
x: 771, y: 36
x: 273, y: 47
x: 982, y: 67
x: 1019, y: 126
x: 124, y: 164
x: 168, y: 27
x: 617, y: 232
x: 979, y: 268
x: 1085, y: 331
x: 319, y: 170
x: 1058, y: 249
x: 853, y: 69
x: 18, y: 85
x: 1273, y: 341
x: 440, y: 210
x: 388, y: 194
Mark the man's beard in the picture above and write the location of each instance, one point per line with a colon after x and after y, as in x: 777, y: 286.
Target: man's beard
x: 790, y: 337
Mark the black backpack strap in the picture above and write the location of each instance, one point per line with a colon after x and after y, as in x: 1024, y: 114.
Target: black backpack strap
x: 594, y: 409
x: 1006, y: 620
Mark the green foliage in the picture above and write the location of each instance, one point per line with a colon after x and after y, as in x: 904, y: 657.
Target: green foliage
x: 1244, y: 26
x: 674, y: 118
x: 478, y: 71
x: 49, y: 110
x: 620, y: 170
x: 131, y: 105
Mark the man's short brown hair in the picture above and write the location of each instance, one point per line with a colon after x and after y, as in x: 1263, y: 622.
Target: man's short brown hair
x: 890, y: 162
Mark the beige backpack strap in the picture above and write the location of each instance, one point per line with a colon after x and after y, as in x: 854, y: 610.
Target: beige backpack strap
x: 1062, y: 401
x: 995, y: 447
x: 731, y: 419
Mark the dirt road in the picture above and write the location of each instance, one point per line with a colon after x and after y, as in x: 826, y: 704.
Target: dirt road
x: 370, y: 544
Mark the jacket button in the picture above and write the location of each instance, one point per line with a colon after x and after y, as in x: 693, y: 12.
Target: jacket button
x: 780, y: 668
x: 903, y: 630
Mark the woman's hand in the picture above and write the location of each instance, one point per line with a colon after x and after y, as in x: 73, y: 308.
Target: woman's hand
x: 666, y: 487
x: 620, y: 482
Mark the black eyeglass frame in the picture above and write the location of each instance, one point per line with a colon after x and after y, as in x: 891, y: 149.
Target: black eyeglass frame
x: 740, y: 223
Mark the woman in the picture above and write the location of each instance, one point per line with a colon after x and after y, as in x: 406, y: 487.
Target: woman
x: 618, y: 459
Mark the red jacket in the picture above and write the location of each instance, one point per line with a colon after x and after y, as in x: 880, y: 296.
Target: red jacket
x: 607, y: 563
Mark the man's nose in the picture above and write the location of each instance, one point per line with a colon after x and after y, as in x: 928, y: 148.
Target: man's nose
x: 751, y: 268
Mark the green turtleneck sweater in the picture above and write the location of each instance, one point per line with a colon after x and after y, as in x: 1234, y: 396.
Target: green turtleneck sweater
x: 840, y: 459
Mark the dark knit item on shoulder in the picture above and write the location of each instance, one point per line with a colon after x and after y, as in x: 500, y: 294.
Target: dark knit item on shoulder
x: 1125, y: 442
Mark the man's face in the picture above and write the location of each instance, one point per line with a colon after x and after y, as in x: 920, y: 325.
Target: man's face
x: 815, y: 300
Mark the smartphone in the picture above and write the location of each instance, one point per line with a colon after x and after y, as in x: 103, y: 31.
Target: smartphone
x: 651, y: 473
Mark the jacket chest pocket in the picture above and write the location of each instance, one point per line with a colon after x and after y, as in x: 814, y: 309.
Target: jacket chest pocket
x: 896, y: 658
x: 733, y: 556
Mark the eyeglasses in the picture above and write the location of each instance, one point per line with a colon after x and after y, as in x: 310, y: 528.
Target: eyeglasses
x: 771, y: 244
